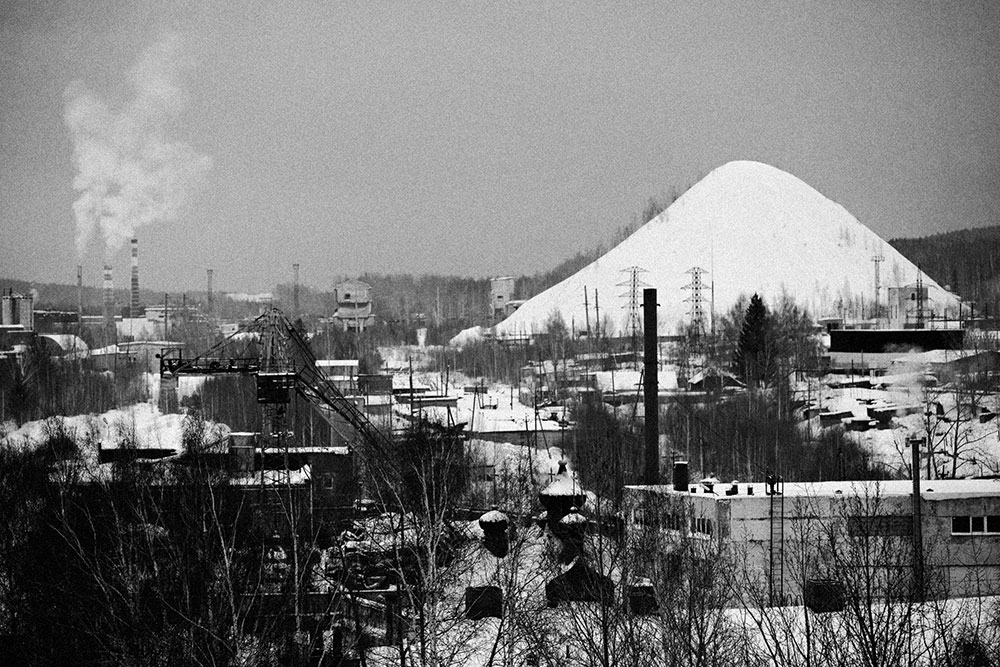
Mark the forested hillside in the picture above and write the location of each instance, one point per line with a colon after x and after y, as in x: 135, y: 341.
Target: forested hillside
x: 968, y: 260
x: 529, y: 286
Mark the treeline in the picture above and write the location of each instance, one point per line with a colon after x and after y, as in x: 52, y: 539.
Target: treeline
x: 528, y: 286
x: 144, y: 565
x: 968, y: 260
x: 401, y: 302
x: 41, y: 386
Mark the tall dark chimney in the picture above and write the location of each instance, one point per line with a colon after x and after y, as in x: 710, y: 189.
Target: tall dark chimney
x: 211, y: 296
x: 134, y: 303
x: 79, y: 299
x: 650, y: 388
x: 295, y: 289
x: 918, y: 535
x: 681, y: 476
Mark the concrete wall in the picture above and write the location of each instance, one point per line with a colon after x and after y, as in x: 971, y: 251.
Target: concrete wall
x: 957, y: 565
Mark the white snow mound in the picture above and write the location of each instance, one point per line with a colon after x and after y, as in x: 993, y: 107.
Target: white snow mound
x: 753, y: 228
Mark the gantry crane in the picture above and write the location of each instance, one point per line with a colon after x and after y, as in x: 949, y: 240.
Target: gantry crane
x: 276, y: 354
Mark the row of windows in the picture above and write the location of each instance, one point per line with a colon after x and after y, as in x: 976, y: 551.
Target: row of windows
x: 701, y: 526
x: 880, y: 525
x: 975, y: 525
x: 673, y: 521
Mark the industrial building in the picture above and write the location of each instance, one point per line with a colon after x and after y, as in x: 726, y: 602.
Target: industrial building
x: 354, y: 305
x: 781, y: 534
x: 372, y: 394
x: 17, y: 311
x: 501, y: 295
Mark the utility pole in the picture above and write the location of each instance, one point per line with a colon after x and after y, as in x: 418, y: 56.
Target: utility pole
x: 713, y: 309
x: 597, y: 312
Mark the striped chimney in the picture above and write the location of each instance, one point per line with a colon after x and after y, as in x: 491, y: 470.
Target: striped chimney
x: 79, y: 296
x: 134, y: 309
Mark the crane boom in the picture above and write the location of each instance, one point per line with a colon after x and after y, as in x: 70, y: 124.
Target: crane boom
x: 276, y: 354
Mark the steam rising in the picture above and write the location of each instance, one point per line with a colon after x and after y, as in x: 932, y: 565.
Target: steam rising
x: 130, y: 173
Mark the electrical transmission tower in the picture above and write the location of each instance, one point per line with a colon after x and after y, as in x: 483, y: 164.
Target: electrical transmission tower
x: 696, y: 311
x: 877, y: 260
x: 633, y: 299
x: 921, y: 299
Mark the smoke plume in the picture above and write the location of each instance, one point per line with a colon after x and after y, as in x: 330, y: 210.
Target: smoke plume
x: 129, y: 173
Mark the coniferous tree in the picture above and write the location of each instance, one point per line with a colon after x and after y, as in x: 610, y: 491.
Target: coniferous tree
x: 754, y: 357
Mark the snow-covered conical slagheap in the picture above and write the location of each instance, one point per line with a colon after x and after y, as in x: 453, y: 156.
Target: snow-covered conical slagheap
x: 753, y: 228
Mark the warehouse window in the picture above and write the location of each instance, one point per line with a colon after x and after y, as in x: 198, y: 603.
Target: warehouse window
x: 881, y: 525
x: 701, y: 525
x: 976, y: 525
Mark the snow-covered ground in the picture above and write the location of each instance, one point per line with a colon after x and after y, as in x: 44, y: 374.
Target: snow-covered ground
x: 950, y: 429
x: 495, y: 407
x: 142, y: 424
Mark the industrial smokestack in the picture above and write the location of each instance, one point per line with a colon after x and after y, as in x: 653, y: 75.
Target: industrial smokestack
x: 79, y: 298
x: 134, y: 309
x: 650, y: 388
x: 295, y: 289
x: 211, y: 296
x: 110, y: 335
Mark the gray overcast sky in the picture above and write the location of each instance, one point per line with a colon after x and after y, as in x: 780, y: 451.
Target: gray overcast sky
x: 478, y: 138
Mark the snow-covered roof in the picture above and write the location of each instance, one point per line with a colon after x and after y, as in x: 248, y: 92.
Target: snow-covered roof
x: 713, y: 373
x: 935, y: 356
x: 275, y: 477
x: 67, y: 342
x: 938, y: 489
x: 494, y: 516
x: 336, y: 451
